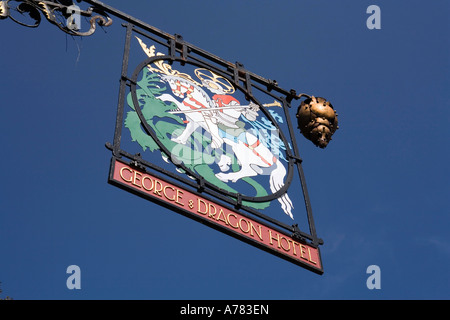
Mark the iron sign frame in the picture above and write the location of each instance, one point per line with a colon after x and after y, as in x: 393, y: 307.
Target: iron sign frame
x: 180, y: 51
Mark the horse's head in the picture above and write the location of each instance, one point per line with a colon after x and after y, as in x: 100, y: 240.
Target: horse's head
x: 251, y: 113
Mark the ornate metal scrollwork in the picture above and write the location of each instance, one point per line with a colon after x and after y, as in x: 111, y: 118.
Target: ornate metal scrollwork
x: 62, y: 13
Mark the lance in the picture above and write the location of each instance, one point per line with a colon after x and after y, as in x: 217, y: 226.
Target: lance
x: 267, y: 105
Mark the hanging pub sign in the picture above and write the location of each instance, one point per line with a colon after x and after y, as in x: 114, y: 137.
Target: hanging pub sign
x: 202, y: 136
x: 214, y: 142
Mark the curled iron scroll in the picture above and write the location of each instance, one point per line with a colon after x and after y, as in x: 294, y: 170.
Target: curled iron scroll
x: 60, y: 13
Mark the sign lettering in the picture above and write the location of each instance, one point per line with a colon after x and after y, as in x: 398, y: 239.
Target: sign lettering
x: 215, y: 215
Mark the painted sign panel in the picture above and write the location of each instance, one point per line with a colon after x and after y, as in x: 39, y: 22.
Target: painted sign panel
x: 215, y: 215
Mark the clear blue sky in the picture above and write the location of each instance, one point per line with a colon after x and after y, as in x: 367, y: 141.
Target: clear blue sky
x: 379, y: 191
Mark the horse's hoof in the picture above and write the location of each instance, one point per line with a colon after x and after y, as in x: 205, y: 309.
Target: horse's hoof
x: 221, y: 177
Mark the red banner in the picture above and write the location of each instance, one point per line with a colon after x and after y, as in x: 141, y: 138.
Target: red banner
x: 216, y: 215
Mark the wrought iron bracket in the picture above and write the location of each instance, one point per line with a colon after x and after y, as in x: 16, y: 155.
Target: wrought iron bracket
x: 177, y: 43
x: 292, y: 95
x: 297, y: 234
x: 297, y: 159
x: 302, y: 237
x: 238, y: 204
x: 137, y: 162
x: 61, y: 13
x: 201, y: 184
